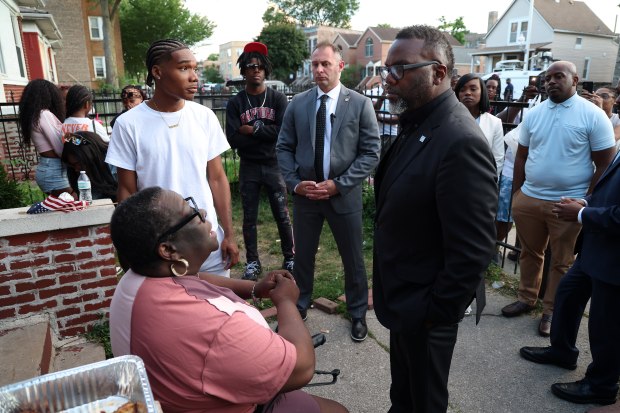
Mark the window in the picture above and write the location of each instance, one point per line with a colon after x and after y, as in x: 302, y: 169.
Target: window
x: 369, y: 47
x: 99, y: 65
x: 228, y: 52
x: 18, y: 46
x: 518, y: 31
x: 578, y: 41
x: 2, y: 68
x: 95, y: 25
x: 586, y: 68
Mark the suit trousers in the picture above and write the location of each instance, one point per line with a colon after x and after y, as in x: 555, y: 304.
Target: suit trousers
x: 420, y: 366
x: 537, y: 226
x: 573, y: 294
x: 308, y: 219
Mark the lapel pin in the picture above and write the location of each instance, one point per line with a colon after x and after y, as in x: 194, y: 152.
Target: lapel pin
x: 346, y: 99
x: 422, y: 138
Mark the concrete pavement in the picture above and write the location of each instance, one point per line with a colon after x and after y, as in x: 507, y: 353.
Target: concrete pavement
x: 487, y: 373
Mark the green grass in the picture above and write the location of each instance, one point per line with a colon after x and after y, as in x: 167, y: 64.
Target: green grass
x: 329, y: 272
x: 100, y: 333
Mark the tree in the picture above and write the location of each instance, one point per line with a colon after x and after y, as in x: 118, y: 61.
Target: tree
x: 274, y: 15
x: 385, y: 25
x: 336, y: 13
x: 287, y: 48
x: 456, y: 28
x: 213, y: 57
x: 144, y: 21
x: 351, y: 76
x: 212, y: 75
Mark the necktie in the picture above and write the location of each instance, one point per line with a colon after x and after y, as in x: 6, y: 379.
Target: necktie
x: 319, y: 144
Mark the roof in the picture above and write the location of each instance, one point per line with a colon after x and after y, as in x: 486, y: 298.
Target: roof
x: 452, y: 40
x: 385, y: 33
x: 44, y: 20
x: 572, y: 16
x: 349, y: 38
x: 506, y: 49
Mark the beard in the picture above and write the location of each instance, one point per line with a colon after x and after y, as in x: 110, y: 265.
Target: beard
x: 415, y: 96
x: 398, y: 107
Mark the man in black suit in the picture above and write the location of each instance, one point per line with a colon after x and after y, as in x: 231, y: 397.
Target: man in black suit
x: 436, y: 196
x: 596, y: 275
x: 328, y: 144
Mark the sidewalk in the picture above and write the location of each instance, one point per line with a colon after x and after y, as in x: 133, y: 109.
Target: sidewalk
x: 487, y: 373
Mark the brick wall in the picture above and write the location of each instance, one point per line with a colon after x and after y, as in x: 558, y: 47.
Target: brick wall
x: 67, y: 273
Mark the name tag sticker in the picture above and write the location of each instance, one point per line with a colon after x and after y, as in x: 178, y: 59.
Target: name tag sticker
x: 422, y: 138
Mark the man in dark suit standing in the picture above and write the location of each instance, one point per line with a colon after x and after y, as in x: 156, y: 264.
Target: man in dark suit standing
x: 436, y: 196
x: 328, y: 144
x: 596, y: 275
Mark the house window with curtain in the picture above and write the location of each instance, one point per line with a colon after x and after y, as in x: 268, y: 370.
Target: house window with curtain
x: 518, y: 31
x: 95, y: 25
x: 369, y: 47
x: 99, y: 65
x: 586, y: 68
x: 578, y: 42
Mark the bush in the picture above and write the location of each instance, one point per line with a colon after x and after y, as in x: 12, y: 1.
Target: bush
x: 15, y: 195
x: 10, y: 190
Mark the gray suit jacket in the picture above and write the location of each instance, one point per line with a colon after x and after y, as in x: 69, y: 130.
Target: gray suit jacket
x: 355, y: 145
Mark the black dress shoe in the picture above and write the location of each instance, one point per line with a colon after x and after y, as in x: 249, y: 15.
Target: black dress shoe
x: 582, y: 392
x: 544, y: 355
x: 359, y: 331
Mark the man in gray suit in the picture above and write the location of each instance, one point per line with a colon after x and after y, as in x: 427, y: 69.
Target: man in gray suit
x: 327, y: 146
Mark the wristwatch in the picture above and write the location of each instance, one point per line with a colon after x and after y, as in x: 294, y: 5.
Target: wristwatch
x: 257, y: 125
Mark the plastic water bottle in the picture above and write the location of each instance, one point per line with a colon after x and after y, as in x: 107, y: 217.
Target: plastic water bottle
x: 84, y: 188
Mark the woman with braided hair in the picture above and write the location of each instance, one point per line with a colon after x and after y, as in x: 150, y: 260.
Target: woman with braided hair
x: 79, y: 103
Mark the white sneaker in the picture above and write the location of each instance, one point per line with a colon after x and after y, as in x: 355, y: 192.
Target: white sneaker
x: 468, y: 311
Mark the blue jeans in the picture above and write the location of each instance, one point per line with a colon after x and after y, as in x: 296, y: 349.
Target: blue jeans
x: 51, y: 175
x: 253, y: 176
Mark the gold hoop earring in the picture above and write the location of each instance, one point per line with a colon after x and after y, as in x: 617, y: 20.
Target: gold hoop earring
x: 176, y: 274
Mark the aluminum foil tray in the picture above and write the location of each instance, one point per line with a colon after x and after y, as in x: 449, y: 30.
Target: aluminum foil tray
x: 96, y: 388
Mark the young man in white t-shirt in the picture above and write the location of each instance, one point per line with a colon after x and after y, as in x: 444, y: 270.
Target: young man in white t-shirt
x: 173, y: 142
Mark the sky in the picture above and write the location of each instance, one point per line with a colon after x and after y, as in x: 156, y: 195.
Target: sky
x: 242, y: 19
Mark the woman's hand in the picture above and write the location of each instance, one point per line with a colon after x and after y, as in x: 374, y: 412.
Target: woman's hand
x: 268, y: 283
x: 285, y: 289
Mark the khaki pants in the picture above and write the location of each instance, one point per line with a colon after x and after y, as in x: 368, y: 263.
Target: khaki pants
x: 536, y: 227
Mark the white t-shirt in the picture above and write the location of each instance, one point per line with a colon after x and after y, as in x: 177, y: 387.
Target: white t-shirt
x: 73, y: 124
x: 172, y: 158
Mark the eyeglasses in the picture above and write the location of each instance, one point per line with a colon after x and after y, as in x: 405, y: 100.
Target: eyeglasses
x: 398, y: 71
x: 604, y: 96
x: 254, y: 66
x: 195, y: 213
x: 130, y: 95
x: 74, y: 139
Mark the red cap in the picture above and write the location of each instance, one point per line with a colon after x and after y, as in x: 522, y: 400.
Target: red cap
x: 255, y: 47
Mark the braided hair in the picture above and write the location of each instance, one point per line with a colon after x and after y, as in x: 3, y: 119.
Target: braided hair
x: 77, y: 96
x: 38, y: 95
x: 90, y: 151
x: 246, y: 58
x: 160, y: 51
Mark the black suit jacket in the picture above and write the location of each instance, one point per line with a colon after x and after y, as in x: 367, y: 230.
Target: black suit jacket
x: 436, y: 196
x: 601, y: 228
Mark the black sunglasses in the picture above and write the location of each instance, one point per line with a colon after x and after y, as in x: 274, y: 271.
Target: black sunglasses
x: 195, y: 213
x: 254, y: 66
x: 130, y: 95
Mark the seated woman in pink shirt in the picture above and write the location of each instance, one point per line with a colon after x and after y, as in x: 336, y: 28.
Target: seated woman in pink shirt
x: 205, y: 349
x: 41, y: 113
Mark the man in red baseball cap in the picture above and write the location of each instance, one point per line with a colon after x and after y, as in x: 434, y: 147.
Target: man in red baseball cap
x: 253, y: 120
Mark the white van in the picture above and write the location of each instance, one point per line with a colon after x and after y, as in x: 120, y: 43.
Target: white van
x: 519, y: 79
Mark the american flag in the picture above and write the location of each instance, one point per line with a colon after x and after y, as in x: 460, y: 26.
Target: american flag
x: 64, y: 202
